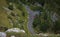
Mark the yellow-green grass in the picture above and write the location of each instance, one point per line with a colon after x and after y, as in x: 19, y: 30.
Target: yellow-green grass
x: 3, y: 16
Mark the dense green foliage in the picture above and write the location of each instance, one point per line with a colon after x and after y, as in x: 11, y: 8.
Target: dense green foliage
x: 44, y: 21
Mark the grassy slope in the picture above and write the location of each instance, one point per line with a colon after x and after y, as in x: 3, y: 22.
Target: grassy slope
x: 3, y: 16
x: 4, y: 19
x: 25, y: 18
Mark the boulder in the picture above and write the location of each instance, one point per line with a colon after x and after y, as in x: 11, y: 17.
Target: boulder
x: 17, y: 30
x: 2, y: 34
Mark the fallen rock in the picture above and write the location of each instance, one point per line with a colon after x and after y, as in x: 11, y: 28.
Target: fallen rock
x: 17, y: 30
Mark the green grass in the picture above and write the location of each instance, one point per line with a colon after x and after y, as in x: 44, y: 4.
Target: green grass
x: 4, y: 17
x: 25, y: 35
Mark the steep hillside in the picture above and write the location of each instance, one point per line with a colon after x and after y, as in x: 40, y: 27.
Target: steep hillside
x: 3, y: 15
x: 11, y: 15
